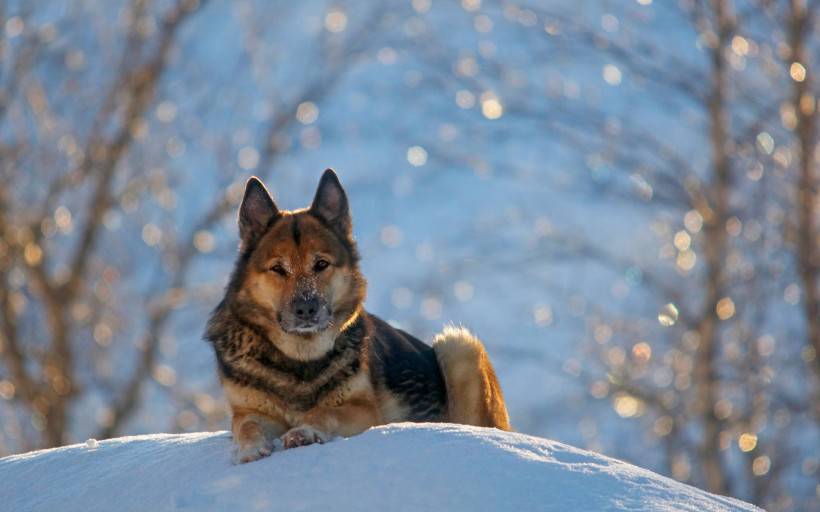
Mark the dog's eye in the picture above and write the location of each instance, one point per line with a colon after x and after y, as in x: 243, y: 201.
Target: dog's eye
x: 320, y: 265
x: 279, y: 269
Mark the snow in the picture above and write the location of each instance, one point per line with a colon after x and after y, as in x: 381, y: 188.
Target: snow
x: 396, y: 467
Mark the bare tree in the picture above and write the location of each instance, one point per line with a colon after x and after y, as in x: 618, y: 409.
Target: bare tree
x: 801, y: 20
x: 705, y: 375
x: 49, y: 392
x: 69, y: 252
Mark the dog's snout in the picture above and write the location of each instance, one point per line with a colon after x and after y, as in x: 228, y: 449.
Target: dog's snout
x: 306, y: 308
x: 308, y: 312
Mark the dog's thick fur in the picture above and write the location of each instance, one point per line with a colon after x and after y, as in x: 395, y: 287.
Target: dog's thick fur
x: 299, y: 359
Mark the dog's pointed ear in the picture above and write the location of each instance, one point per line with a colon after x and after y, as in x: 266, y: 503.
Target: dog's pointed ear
x: 330, y: 202
x: 256, y: 212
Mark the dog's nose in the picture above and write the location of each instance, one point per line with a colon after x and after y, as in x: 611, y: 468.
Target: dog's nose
x: 306, y: 308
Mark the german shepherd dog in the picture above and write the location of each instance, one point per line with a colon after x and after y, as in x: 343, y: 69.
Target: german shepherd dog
x: 299, y: 358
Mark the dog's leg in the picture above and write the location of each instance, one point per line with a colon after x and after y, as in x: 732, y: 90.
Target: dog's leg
x: 473, y: 393
x: 323, y: 423
x: 253, y: 434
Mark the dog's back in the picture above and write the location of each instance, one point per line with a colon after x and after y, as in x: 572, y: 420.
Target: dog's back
x: 406, y: 372
x: 452, y: 380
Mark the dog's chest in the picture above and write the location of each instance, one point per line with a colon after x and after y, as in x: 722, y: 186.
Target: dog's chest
x: 292, y: 411
x: 261, y: 379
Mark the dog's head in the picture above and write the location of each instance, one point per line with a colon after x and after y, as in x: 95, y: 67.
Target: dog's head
x: 298, y: 276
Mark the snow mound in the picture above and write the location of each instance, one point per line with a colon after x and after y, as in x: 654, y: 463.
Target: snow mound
x: 397, y: 467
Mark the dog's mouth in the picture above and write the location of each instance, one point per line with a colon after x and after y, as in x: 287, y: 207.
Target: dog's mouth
x: 304, y: 327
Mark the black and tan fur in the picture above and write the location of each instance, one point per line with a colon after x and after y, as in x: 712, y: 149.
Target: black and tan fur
x: 299, y: 358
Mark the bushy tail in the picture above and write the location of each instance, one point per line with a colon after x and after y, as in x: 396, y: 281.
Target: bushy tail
x: 473, y: 393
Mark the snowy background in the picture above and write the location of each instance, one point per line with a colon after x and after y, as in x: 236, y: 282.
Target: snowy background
x: 545, y: 173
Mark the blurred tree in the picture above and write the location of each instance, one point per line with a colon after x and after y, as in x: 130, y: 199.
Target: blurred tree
x: 44, y: 378
x: 740, y: 156
x: 84, y: 190
x: 800, y: 113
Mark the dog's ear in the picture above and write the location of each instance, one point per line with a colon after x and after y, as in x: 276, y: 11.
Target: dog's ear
x: 330, y: 203
x: 255, y: 213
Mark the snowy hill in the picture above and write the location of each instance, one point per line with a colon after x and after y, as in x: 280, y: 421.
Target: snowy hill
x: 397, y: 467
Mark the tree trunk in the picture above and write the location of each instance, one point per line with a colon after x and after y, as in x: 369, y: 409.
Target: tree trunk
x: 714, y: 248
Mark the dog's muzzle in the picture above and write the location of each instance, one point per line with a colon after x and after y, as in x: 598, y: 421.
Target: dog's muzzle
x: 306, y: 315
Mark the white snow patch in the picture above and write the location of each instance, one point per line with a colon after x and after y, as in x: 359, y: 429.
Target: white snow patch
x: 396, y: 467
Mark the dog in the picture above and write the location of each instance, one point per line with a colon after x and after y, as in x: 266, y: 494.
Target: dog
x: 300, y: 360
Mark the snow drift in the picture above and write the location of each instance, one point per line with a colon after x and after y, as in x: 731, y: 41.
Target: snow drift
x: 396, y: 467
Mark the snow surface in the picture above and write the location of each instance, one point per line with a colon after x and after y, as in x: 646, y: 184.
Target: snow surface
x: 396, y: 467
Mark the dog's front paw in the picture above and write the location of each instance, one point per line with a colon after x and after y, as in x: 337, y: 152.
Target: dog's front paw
x: 303, y: 436
x: 251, y: 452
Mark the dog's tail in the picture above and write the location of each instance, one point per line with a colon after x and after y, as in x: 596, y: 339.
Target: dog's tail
x: 473, y: 393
